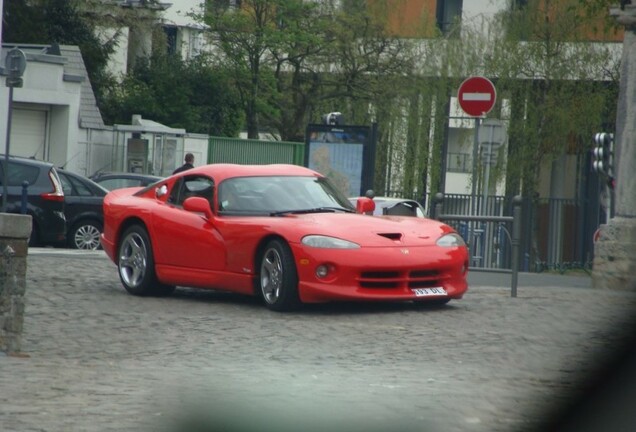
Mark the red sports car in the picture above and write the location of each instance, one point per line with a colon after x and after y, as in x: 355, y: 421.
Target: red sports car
x: 281, y: 232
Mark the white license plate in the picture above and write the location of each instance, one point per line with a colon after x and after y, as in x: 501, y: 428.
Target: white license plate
x: 424, y: 292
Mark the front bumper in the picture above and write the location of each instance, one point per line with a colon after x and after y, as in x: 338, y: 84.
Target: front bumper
x: 380, y: 274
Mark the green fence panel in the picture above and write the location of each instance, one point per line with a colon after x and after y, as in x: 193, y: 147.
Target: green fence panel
x: 255, y: 152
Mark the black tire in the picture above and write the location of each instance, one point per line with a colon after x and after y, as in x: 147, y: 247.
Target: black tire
x: 136, y: 264
x: 278, y: 278
x: 85, y: 235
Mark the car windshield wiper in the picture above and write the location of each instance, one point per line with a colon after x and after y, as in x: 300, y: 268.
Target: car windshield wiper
x: 312, y: 210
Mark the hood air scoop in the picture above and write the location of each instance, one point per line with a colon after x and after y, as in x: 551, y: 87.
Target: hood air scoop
x: 392, y: 236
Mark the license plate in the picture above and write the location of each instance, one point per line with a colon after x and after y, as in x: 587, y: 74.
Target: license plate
x: 424, y: 292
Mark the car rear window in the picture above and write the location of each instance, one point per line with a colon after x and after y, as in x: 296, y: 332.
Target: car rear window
x: 18, y: 173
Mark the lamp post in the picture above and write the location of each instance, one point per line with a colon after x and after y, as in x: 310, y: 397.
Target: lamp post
x: 614, y: 263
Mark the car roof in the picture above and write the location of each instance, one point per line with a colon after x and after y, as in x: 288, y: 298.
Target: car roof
x: 103, y: 175
x: 82, y: 178
x: 27, y: 160
x: 221, y: 172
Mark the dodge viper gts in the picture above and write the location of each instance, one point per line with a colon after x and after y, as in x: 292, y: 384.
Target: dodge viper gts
x: 280, y: 232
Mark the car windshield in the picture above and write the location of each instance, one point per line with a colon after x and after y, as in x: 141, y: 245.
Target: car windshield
x: 279, y: 195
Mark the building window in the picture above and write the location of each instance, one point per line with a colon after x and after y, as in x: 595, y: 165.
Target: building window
x: 459, y: 162
x: 449, y: 14
x: 196, y: 43
x: 171, y: 39
x: 225, y: 4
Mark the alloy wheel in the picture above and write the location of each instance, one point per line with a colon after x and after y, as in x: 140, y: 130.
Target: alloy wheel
x: 133, y: 260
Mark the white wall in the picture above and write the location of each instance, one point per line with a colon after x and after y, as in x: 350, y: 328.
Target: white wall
x: 476, y: 14
x: 118, y: 61
x: 44, y: 86
x: 472, y: 8
x: 95, y: 152
x: 177, y: 14
x: 198, y: 146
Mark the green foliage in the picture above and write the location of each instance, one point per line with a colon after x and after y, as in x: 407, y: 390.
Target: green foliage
x: 560, y: 86
x: 293, y: 59
x: 243, y: 37
x: 278, y: 65
x: 190, y: 95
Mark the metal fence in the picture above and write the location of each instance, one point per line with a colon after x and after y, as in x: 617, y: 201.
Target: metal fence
x: 564, y: 230
x: 485, y: 225
x: 557, y: 234
x: 483, y: 235
x: 258, y: 152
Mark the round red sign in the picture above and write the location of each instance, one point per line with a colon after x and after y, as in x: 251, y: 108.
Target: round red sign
x: 477, y: 96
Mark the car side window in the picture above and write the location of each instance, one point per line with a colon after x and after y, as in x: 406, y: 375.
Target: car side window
x: 67, y: 187
x: 190, y: 186
x: 175, y: 192
x: 80, y: 188
x: 111, y: 184
x: 19, y: 172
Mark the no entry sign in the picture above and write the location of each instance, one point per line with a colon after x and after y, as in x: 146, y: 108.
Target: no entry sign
x: 477, y: 96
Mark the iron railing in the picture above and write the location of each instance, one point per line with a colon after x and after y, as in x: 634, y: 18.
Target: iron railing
x: 557, y: 234
x: 483, y: 241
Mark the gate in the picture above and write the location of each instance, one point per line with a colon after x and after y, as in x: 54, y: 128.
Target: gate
x: 489, y: 238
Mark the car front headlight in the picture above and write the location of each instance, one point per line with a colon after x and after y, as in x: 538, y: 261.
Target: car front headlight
x: 325, y: 242
x: 451, y: 240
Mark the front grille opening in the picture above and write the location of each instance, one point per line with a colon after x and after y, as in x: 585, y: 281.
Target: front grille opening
x: 396, y: 280
x: 378, y: 284
x: 424, y: 278
x: 379, y: 275
x: 417, y: 274
x: 380, y: 279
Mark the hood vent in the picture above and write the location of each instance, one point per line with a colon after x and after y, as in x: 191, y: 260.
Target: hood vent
x: 392, y: 236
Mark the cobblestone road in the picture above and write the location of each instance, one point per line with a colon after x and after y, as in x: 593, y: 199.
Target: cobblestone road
x: 97, y: 359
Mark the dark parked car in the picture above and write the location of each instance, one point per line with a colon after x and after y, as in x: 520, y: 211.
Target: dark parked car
x: 45, y: 197
x: 113, y: 180
x: 83, y: 209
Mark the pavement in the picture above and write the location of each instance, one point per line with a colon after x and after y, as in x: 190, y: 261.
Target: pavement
x: 559, y: 356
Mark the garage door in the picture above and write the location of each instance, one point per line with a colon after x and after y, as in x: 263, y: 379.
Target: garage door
x: 28, y: 133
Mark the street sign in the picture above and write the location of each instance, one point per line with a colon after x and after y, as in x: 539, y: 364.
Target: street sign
x: 15, y: 64
x: 491, y: 131
x: 477, y: 96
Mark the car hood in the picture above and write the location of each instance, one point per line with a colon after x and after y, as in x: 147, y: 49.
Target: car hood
x: 369, y: 231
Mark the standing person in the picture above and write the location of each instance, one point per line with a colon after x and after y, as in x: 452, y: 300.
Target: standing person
x: 189, y: 161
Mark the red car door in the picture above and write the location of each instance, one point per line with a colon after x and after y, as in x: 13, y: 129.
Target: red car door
x: 186, y: 239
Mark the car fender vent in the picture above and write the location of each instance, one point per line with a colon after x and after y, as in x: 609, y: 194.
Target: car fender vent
x: 392, y: 236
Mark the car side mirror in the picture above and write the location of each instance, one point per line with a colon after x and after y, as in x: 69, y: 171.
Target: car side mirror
x: 161, y: 191
x: 365, y: 205
x: 198, y: 205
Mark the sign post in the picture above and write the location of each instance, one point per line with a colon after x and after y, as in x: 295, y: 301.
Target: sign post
x: 492, y: 133
x: 15, y: 64
x: 476, y: 97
